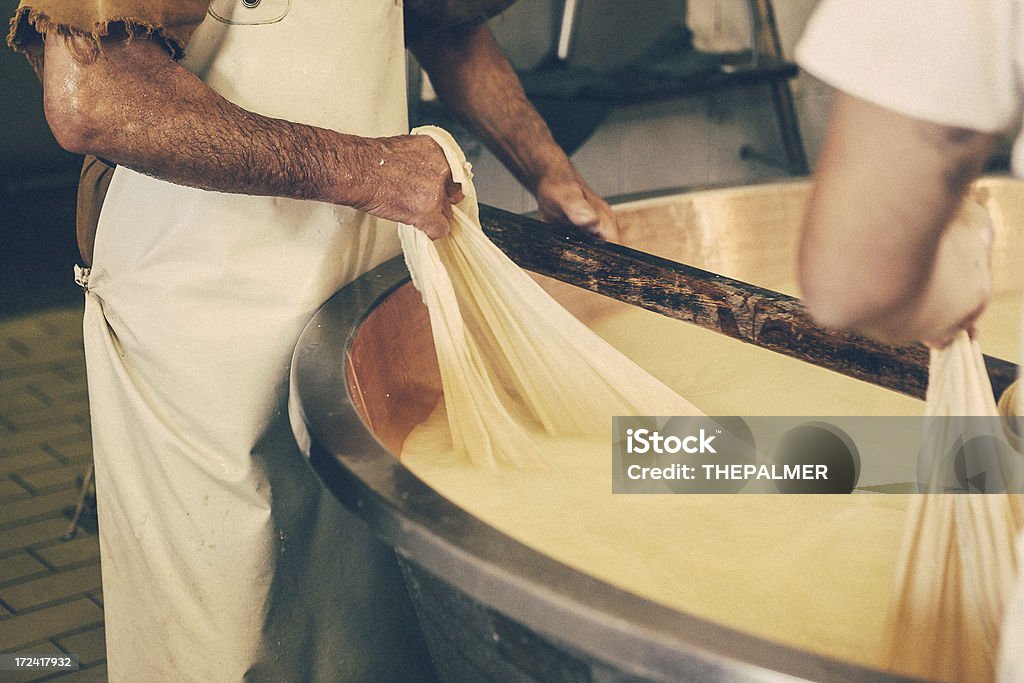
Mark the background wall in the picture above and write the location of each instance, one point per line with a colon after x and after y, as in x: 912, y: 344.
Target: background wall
x: 684, y: 142
x: 37, y: 193
x: 26, y: 146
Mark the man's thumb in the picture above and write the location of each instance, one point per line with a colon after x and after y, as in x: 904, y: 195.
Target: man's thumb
x: 581, y: 213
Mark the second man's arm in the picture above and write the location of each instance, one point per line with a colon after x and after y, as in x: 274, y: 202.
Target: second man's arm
x: 475, y: 81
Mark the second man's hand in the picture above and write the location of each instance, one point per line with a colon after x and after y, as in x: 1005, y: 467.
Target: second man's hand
x: 567, y: 200
x: 475, y: 81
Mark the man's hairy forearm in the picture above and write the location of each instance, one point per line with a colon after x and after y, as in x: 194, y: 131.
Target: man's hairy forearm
x: 886, y: 187
x: 230, y: 150
x: 475, y: 80
x: 136, y: 107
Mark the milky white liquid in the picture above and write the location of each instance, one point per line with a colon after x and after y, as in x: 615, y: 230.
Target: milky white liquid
x: 814, y: 572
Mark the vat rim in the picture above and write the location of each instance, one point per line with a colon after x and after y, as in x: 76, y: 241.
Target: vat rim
x: 596, y: 619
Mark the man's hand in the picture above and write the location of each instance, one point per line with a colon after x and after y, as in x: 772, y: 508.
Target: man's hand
x: 568, y: 200
x: 476, y: 82
x: 412, y: 184
x: 961, y: 281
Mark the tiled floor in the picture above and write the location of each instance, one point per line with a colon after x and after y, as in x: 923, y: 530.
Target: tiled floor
x: 50, y: 599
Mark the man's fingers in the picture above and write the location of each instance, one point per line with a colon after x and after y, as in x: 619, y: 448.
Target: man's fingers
x: 571, y: 202
x: 939, y: 343
x: 436, y: 227
x: 608, y: 228
x: 596, y: 219
x: 435, y: 231
x: 454, y: 191
x: 581, y: 214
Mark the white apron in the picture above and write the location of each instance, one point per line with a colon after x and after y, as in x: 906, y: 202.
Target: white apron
x: 223, y: 557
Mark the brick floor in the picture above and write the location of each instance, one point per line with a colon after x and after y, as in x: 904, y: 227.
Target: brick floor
x: 20, y: 567
x: 33, y: 627
x: 50, y: 599
x: 16, y: 538
x: 11, y: 490
x: 54, y: 587
x: 90, y: 646
x: 82, y: 550
x: 56, y: 478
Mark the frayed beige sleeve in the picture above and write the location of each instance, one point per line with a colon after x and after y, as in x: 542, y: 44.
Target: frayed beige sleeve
x: 170, y: 21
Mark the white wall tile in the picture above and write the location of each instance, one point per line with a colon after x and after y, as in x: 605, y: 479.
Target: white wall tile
x: 813, y: 110
x: 666, y: 145
x: 741, y: 118
x: 494, y: 184
x: 600, y: 158
x: 684, y: 142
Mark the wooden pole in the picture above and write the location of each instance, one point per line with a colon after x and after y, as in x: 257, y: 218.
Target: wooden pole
x: 731, y: 307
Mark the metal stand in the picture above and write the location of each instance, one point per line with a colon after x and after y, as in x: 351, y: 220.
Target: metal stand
x: 764, y: 40
x: 765, y: 63
x: 83, y: 493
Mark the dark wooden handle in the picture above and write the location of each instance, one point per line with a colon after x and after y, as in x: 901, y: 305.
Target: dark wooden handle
x: 732, y: 307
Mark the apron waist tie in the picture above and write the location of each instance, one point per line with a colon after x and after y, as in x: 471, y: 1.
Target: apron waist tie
x: 82, y: 277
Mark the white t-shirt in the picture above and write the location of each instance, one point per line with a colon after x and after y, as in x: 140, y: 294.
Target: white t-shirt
x: 952, y: 62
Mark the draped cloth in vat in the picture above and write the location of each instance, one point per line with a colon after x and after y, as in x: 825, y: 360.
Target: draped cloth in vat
x: 957, y: 566
x: 512, y: 360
